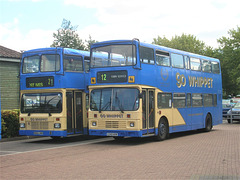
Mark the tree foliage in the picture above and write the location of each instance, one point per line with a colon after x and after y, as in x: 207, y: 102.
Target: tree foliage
x: 89, y: 42
x: 186, y: 43
x: 67, y: 36
x: 229, y: 54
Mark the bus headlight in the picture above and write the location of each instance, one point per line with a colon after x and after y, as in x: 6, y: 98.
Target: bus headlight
x: 57, y: 125
x: 22, y: 125
x: 94, y: 123
x: 131, y: 124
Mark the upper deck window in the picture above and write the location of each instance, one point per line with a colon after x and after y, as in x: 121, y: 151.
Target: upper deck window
x: 177, y: 60
x: 195, y: 64
x: 187, y: 62
x: 162, y: 58
x: 113, y: 55
x: 31, y: 64
x: 146, y: 55
x: 44, y: 63
x: 206, y: 66
x: 73, y: 64
x: 50, y: 63
x: 87, y: 63
x: 215, y: 67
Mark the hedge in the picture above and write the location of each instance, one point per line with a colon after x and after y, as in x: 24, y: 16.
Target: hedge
x: 10, y: 123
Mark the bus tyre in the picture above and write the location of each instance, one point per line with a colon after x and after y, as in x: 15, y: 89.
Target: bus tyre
x: 163, y: 130
x: 56, y: 138
x: 118, y: 138
x: 208, y: 123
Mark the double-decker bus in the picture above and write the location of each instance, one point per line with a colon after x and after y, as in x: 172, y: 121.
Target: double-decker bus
x: 53, y: 93
x: 139, y: 89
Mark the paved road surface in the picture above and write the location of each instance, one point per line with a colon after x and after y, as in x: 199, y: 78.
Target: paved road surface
x: 191, y: 155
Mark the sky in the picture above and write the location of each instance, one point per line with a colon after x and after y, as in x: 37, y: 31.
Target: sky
x: 30, y: 24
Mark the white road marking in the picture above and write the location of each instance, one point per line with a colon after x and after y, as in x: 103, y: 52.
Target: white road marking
x: 82, y: 143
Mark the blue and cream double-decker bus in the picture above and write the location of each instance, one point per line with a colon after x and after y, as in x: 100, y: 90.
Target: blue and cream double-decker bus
x: 53, y: 94
x: 139, y: 89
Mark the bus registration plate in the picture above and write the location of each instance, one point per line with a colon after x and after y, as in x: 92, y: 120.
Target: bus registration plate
x: 38, y: 133
x: 112, y: 134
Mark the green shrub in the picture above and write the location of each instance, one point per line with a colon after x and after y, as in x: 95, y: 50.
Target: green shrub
x: 10, y: 123
x: 4, y: 128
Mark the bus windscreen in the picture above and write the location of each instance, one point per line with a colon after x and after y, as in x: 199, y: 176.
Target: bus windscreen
x: 115, y: 99
x: 41, y: 103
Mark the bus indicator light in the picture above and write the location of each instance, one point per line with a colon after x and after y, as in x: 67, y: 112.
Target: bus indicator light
x: 131, y: 79
x: 93, y: 80
x: 128, y: 115
x: 95, y: 115
x: 57, y: 119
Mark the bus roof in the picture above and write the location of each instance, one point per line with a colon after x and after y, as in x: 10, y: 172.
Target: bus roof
x: 154, y: 46
x: 65, y: 50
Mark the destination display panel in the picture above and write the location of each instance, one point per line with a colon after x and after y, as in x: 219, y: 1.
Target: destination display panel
x: 38, y: 82
x: 112, y: 76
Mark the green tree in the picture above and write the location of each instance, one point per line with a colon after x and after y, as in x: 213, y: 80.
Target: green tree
x: 230, y: 61
x: 67, y: 36
x: 186, y: 43
x: 89, y: 42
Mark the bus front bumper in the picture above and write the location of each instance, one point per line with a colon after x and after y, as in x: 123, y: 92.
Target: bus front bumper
x: 113, y: 133
x: 42, y: 133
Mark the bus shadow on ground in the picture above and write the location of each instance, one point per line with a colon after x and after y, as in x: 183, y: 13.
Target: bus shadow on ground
x: 151, y: 139
x: 64, y: 140
x: 124, y: 141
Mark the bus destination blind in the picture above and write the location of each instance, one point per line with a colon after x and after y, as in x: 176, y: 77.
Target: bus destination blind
x: 112, y: 76
x: 38, y: 82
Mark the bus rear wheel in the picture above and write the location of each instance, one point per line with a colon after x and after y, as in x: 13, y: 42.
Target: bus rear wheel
x: 208, y: 123
x: 163, y: 130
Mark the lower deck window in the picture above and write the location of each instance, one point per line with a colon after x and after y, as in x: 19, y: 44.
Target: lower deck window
x: 164, y: 100
x: 196, y: 100
x: 207, y: 100
x: 179, y: 100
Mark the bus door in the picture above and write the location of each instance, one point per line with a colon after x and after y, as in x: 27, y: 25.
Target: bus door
x: 74, y: 112
x: 148, y: 111
x: 70, y: 117
x: 79, y: 111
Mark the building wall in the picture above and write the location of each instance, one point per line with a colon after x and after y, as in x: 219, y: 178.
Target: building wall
x: 9, y: 84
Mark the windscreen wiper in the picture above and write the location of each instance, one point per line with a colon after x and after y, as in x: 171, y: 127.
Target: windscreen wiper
x: 100, y: 109
x: 119, y: 105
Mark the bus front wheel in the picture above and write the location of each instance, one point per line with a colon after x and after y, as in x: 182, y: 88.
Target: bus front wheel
x: 118, y: 138
x: 163, y: 130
